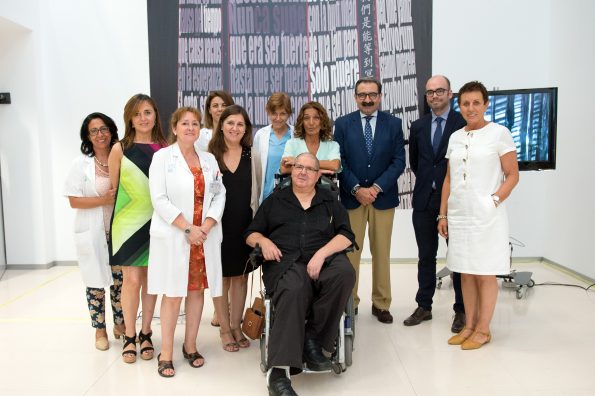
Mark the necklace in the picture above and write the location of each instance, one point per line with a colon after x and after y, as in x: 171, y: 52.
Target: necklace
x: 100, y: 163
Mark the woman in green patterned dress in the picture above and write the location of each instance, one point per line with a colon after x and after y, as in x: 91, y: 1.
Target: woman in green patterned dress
x: 129, y: 243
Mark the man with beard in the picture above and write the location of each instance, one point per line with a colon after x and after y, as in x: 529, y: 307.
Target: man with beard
x: 427, y: 146
x: 373, y: 158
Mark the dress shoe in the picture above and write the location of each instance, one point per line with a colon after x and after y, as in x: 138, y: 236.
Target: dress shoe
x: 281, y: 387
x: 382, y: 314
x: 460, y: 338
x: 418, y: 316
x: 313, y: 356
x: 470, y: 344
x: 458, y: 322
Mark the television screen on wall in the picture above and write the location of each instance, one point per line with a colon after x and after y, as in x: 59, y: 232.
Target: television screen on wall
x: 531, y: 115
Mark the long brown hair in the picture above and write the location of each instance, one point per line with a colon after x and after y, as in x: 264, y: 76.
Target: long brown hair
x: 217, y: 144
x: 227, y: 99
x: 326, y: 126
x: 130, y: 109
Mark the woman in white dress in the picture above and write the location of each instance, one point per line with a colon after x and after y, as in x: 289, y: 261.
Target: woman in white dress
x: 482, y: 171
x: 185, y: 248
x: 89, y: 191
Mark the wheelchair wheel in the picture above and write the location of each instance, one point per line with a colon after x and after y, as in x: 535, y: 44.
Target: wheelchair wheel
x: 348, y: 350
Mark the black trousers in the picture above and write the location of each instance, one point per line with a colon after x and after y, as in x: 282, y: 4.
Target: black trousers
x: 426, y: 235
x: 307, y: 308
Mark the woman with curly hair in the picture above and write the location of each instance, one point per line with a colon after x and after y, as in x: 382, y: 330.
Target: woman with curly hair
x: 313, y: 134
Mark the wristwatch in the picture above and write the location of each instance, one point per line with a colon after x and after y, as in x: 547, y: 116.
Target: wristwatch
x: 354, y: 189
x: 496, y: 199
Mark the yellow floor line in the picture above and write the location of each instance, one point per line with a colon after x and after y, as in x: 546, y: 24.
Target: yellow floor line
x: 36, y: 288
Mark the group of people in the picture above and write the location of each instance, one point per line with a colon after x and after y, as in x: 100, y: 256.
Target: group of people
x: 175, y: 217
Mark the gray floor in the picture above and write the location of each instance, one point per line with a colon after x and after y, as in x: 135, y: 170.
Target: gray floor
x: 542, y: 344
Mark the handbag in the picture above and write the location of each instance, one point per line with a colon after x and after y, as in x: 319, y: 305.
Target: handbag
x: 254, y: 317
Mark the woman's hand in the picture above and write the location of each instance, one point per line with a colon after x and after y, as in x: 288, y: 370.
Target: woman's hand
x: 110, y: 197
x: 443, y: 228
x: 196, y: 236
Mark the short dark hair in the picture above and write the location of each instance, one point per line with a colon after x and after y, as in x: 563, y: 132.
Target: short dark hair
x: 86, y: 145
x: 473, y: 86
x: 369, y: 80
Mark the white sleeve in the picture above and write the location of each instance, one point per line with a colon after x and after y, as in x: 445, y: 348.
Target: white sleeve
x: 158, y: 187
x: 74, y: 186
x: 505, y: 142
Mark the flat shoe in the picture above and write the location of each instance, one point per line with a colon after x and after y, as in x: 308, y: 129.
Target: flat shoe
x: 163, y: 365
x: 242, y: 341
x: 192, y: 357
x: 230, y: 346
x: 469, y: 344
x: 458, y: 339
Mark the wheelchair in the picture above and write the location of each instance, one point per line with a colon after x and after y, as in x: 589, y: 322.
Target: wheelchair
x: 341, y: 357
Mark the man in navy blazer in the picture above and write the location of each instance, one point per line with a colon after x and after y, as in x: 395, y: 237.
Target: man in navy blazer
x: 428, y: 141
x: 373, y: 158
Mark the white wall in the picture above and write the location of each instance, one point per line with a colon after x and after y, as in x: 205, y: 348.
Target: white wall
x: 56, y: 80
x: 60, y: 60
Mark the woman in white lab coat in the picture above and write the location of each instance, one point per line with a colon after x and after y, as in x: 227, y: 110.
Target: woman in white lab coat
x: 185, y: 248
x: 89, y: 191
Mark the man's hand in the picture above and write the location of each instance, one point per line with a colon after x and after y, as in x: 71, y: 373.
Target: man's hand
x: 314, y: 266
x: 270, y: 251
x: 366, y: 195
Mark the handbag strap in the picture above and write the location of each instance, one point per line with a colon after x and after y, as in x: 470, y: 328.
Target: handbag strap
x: 252, y: 280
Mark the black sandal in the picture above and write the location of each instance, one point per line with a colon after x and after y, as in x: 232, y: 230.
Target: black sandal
x: 191, y: 357
x: 163, y: 365
x: 129, y: 356
x: 146, y: 338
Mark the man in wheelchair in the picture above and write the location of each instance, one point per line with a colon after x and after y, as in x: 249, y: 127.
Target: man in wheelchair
x: 303, y: 231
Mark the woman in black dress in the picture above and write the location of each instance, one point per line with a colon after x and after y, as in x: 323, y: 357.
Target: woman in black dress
x: 231, y: 144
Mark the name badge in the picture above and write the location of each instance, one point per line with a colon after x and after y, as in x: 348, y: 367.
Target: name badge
x: 171, y: 167
x: 215, y: 185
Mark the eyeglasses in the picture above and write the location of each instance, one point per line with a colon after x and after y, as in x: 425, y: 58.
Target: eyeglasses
x: 95, y: 131
x: 438, y: 92
x: 299, y: 168
x: 362, y: 95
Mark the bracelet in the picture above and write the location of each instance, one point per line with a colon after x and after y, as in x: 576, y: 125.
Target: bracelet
x: 441, y: 217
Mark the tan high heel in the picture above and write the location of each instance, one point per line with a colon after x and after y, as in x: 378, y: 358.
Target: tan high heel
x: 119, y: 331
x: 129, y: 355
x: 469, y: 344
x: 458, y: 339
x: 101, y: 342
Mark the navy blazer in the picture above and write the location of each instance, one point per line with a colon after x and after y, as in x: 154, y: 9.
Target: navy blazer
x: 426, y: 166
x: 385, y: 165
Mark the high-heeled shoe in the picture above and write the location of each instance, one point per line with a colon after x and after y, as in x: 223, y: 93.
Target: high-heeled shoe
x: 147, y: 352
x: 101, y: 342
x: 119, y: 331
x: 129, y: 355
x: 469, y: 344
x: 240, y: 338
x: 229, y: 346
x: 458, y: 339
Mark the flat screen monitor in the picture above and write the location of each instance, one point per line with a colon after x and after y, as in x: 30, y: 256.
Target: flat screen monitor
x: 531, y: 116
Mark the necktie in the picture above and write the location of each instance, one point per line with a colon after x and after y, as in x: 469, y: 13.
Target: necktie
x: 437, y: 134
x: 368, y: 135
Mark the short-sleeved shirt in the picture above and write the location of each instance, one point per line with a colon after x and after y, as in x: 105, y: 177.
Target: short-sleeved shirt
x: 329, y: 149
x: 298, y: 232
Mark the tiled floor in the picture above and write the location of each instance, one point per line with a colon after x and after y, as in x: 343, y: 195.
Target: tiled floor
x: 542, y: 344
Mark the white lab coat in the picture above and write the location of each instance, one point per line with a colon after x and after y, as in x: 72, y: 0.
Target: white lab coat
x: 202, y: 143
x: 172, y: 192
x: 261, y: 145
x: 89, y: 230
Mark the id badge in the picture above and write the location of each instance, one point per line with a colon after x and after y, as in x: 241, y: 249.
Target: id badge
x: 215, y: 187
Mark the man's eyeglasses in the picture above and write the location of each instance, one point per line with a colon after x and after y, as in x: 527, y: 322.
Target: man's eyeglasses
x: 438, y: 92
x: 299, y: 168
x: 362, y: 95
x: 95, y: 131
